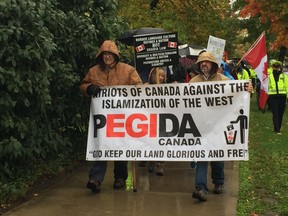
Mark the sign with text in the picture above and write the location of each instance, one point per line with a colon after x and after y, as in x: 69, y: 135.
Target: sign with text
x: 205, y: 121
x: 216, y: 46
x: 156, y: 50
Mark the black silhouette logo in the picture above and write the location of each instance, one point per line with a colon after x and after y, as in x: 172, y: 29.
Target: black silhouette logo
x: 231, y: 134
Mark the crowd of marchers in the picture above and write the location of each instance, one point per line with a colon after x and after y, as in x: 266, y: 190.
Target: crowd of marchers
x: 110, y: 71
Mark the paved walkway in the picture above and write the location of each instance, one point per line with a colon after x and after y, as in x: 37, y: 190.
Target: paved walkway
x: 166, y: 195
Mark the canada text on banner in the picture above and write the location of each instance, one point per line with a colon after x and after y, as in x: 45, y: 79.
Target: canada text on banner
x: 206, y: 121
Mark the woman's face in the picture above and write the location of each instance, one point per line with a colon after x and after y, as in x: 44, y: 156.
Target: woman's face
x: 108, y: 58
x: 161, y: 76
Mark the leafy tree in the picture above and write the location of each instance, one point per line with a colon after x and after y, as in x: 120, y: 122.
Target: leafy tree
x: 137, y: 14
x: 194, y: 20
x: 46, y: 47
x: 268, y: 15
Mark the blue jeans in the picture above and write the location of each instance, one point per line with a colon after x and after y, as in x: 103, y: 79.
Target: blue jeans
x: 217, y: 174
x: 98, y: 170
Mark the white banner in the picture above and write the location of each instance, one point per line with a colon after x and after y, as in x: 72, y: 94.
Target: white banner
x: 216, y: 46
x: 206, y: 121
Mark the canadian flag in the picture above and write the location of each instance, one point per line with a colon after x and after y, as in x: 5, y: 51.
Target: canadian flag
x: 140, y: 48
x: 172, y: 44
x: 257, y: 58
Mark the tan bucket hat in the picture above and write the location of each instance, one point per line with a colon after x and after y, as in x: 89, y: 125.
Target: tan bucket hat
x: 207, y: 56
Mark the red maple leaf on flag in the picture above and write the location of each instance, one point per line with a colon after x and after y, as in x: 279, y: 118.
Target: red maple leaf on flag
x: 140, y: 48
x: 172, y: 44
x: 257, y: 58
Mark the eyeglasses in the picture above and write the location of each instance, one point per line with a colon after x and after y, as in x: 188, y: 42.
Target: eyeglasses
x: 107, y: 53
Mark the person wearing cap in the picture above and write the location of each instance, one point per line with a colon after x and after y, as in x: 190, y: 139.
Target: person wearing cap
x: 242, y: 74
x: 277, y: 92
x: 208, y: 68
x: 271, y: 62
x: 108, y: 71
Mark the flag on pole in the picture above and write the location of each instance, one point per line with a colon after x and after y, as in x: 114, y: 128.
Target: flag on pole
x: 256, y: 56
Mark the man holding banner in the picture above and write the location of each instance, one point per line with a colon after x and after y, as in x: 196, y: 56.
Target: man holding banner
x: 208, y: 66
x: 108, y: 72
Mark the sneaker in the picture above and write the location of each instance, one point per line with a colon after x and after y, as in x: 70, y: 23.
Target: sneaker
x: 119, y: 183
x: 94, y: 185
x: 218, y: 189
x: 200, y: 194
x: 277, y: 132
x: 159, y: 169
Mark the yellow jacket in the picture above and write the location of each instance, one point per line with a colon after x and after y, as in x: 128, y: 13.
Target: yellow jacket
x: 244, y: 75
x: 277, y: 88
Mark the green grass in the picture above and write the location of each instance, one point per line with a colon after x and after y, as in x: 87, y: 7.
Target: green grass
x: 264, y: 178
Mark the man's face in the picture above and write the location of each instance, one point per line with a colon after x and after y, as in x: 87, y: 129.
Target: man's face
x: 108, y: 58
x: 277, y: 68
x: 205, y: 66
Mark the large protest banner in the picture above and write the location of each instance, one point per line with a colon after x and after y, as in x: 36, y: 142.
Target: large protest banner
x: 206, y: 121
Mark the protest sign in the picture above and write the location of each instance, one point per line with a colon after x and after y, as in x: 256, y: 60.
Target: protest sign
x: 216, y: 46
x: 205, y: 121
x: 156, y: 50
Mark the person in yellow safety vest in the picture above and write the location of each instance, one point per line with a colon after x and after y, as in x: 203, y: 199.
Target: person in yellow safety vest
x: 243, y: 74
x: 270, y: 65
x: 277, y: 91
x: 253, y: 75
